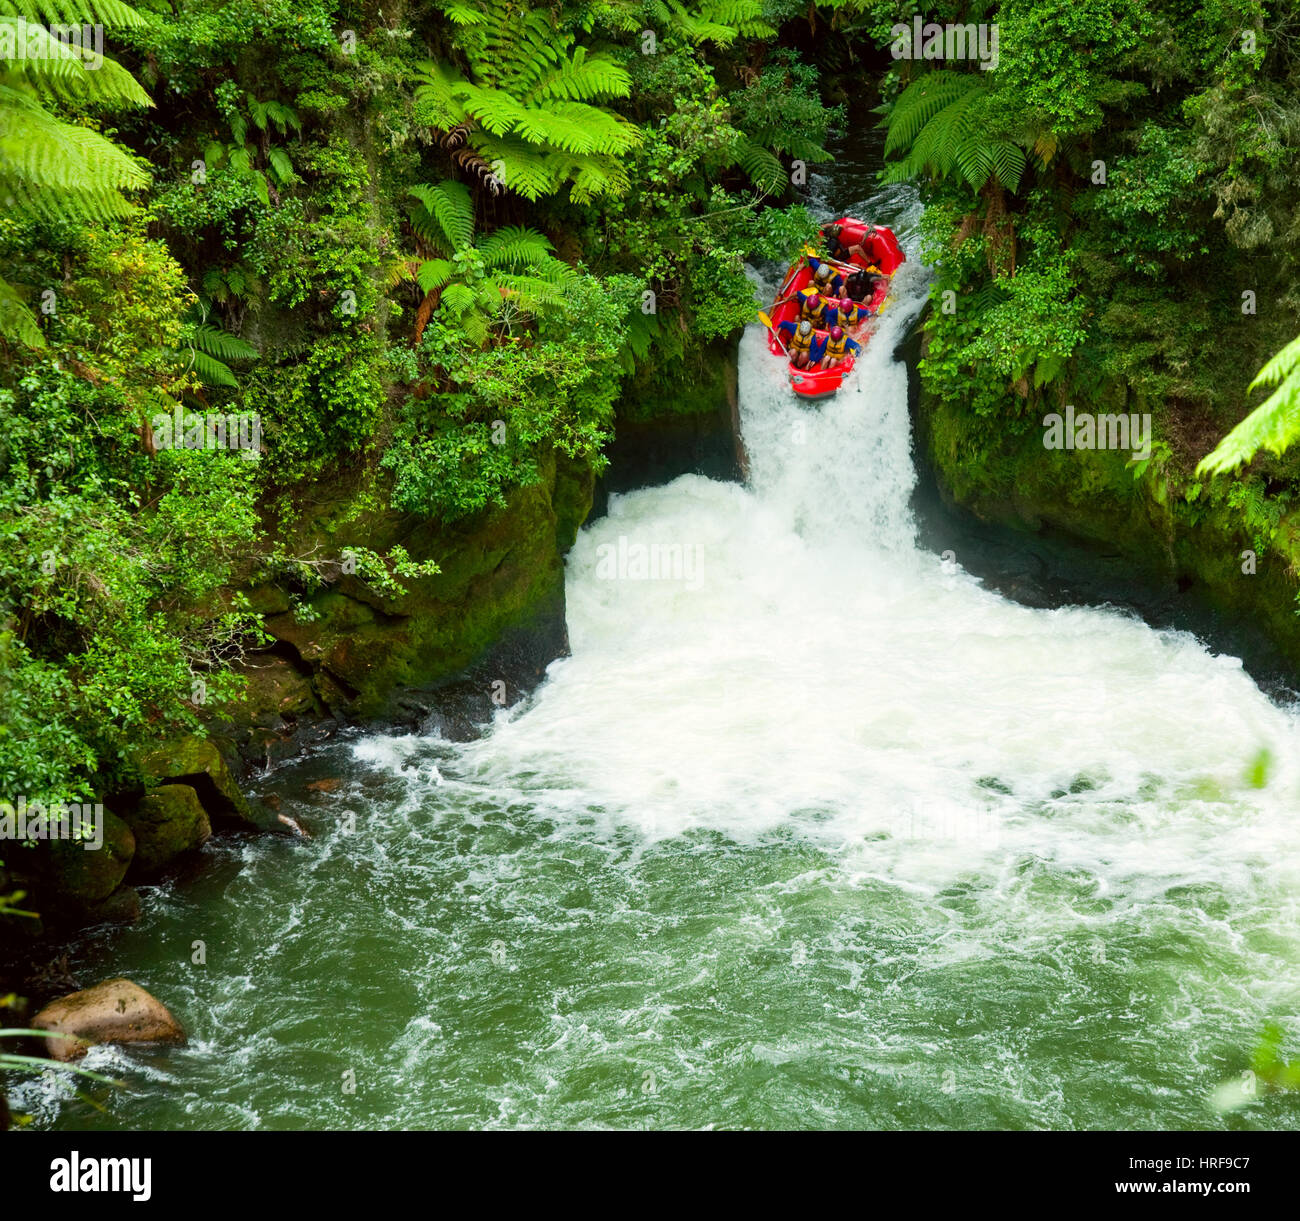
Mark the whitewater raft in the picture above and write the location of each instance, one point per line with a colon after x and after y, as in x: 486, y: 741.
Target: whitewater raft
x: 882, y: 252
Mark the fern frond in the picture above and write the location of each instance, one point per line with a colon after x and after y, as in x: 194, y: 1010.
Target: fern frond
x: 53, y: 12
x: 764, y: 170
x: 525, y: 168
x: 458, y: 298
x: 921, y: 101
x: 219, y: 343
x: 211, y: 371
x: 1274, y: 425
x: 451, y: 206
x: 436, y: 102
x: 53, y: 68
x: 59, y: 170
x: 434, y: 274
x: 17, y: 322
x: 515, y: 245
x: 582, y: 78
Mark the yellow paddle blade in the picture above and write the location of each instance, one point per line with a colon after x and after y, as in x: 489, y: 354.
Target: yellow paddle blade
x: 765, y: 320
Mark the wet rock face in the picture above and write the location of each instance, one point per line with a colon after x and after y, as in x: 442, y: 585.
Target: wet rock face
x: 493, y: 616
x: 168, y: 822
x: 116, y: 1011
x: 199, y: 765
x: 86, y: 876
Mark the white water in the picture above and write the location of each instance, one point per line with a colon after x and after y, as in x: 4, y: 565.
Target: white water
x: 824, y: 675
x: 855, y: 841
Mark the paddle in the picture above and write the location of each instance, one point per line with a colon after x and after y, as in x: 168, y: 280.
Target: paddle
x: 808, y: 250
x: 767, y: 322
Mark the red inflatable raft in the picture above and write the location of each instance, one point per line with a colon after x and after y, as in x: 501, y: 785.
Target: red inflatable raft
x: 882, y: 251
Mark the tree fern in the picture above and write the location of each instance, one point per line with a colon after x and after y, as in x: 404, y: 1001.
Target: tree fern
x: 1274, y: 425
x: 50, y: 168
x: 530, y: 101
x: 937, y: 126
x: 471, y: 282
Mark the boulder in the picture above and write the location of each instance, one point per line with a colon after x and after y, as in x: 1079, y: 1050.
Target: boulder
x: 197, y: 763
x: 116, y: 1011
x: 89, y: 875
x: 121, y: 907
x: 169, y: 821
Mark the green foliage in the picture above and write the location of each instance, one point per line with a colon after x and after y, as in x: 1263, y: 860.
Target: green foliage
x: 111, y: 561
x: 502, y: 281
x: 940, y: 125
x: 528, y: 97
x: 1274, y: 425
x: 52, y: 169
x: 461, y: 450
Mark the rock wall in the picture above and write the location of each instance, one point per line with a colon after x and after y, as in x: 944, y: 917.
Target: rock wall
x: 1093, y: 497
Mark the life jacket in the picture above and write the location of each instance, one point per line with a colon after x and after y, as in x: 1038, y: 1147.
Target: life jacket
x: 853, y: 315
x: 835, y: 347
x: 800, y: 343
x: 832, y: 280
x: 814, y: 308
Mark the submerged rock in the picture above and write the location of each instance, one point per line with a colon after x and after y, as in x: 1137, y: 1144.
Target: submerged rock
x: 116, y: 1011
x: 169, y: 821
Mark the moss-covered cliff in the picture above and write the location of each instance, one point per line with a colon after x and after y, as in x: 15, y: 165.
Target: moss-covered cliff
x: 1165, y: 524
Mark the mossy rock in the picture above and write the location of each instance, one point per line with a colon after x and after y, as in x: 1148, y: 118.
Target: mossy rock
x: 87, y: 875
x: 196, y: 762
x: 121, y: 907
x: 1092, y: 497
x: 502, y: 575
x: 168, y: 822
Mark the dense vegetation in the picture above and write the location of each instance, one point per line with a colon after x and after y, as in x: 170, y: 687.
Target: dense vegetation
x: 1113, y: 213
x: 422, y: 246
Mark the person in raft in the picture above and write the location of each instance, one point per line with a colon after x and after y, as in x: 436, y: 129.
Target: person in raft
x: 826, y: 280
x: 835, y: 243
x: 849, y: 313
x: 862, y: 249
x: 807, y: 346
x: 812, y: 306
x: 838, y: 346
x: 861, y: 285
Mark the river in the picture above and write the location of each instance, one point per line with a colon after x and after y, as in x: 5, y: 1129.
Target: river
x: 821, y: 833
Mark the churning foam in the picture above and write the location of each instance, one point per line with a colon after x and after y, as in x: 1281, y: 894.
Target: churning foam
x: 823, y: 677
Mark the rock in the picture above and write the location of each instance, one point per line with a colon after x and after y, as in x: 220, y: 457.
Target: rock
x: 88, y: 875
x: 197, y: 763
x: 116, y: 1011
x: 121, y: 907
x: 325, y: 786
x: 500, y: 591
x: 168, y: 822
